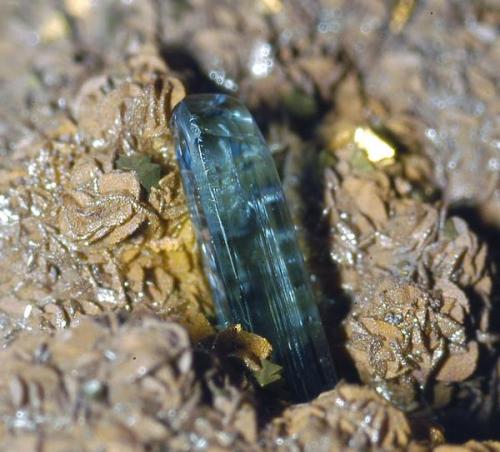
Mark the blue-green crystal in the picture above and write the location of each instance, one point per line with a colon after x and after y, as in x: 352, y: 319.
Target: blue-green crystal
x: 243, y: 225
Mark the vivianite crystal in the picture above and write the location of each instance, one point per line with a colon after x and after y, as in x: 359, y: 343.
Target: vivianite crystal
x: 245, y: 232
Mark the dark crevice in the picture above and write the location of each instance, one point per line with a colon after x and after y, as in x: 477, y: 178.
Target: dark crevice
x: 491, y: 235
x: 187, y: 68
x: 459, y: 420
x: 334, y: 303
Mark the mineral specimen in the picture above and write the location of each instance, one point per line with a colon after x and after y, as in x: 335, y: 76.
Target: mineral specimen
x: 93, y: 215
x: 401, y: 333
x: 93, y: 219
x: 348, y: 418
x: 255, y: 267
x: 120, y: 382
x: 419, y: 279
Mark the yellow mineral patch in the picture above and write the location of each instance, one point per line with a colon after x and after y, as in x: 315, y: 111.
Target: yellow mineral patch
x: 78, y: 8
x: 54, y: 28
x: 375, y: 147
x: 272, y: 6
x: 401, y: 15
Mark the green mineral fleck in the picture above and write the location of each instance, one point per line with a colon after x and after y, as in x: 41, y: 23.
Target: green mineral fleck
x: 270, y: 373
x: 148, y: 173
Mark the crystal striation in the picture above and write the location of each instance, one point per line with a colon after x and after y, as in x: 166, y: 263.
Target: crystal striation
x: 247, y: 238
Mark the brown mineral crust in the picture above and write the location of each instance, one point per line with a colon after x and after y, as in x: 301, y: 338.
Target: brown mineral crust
x: 266, y: 51
x: 119, y: 382
x: 399, y: 330
x: 81, y: 236
x: 460, y: 256
x: 348, y: 418
x: 53, y: 46
x: 387, y: 233
x: 377, y: 231
x: 470, y: 446
x: 444, y: 61
x: 382, y: 216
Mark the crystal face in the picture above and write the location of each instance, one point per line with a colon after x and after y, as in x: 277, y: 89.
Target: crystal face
x: 243, y: 225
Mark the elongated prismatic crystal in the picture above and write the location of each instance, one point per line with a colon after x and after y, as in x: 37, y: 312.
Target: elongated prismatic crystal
x: 246, y: 235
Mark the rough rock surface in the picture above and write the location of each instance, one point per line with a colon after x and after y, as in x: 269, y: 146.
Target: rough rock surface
x: 347, y: 418
x: 120, y: 383
x: 95, y: 218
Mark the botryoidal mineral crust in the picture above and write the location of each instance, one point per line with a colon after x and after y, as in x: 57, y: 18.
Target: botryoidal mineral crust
x: 125, y: 383
x: 398, y: 333
x: 252, y: 256
x: 133, y: 382
x: 348, y: 418
x: 249, y: 47
x: 470, y: 446
x: 82, y: 235
x: 419, y: 280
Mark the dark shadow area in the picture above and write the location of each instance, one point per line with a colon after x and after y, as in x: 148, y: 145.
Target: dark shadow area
x: 466, y: 416
x: 491, y: 235
x: 188, y: 70
x: 334, y: 303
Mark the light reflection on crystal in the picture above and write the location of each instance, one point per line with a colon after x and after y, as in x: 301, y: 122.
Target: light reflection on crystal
x: 261, y: 60
x: 220, y: 78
